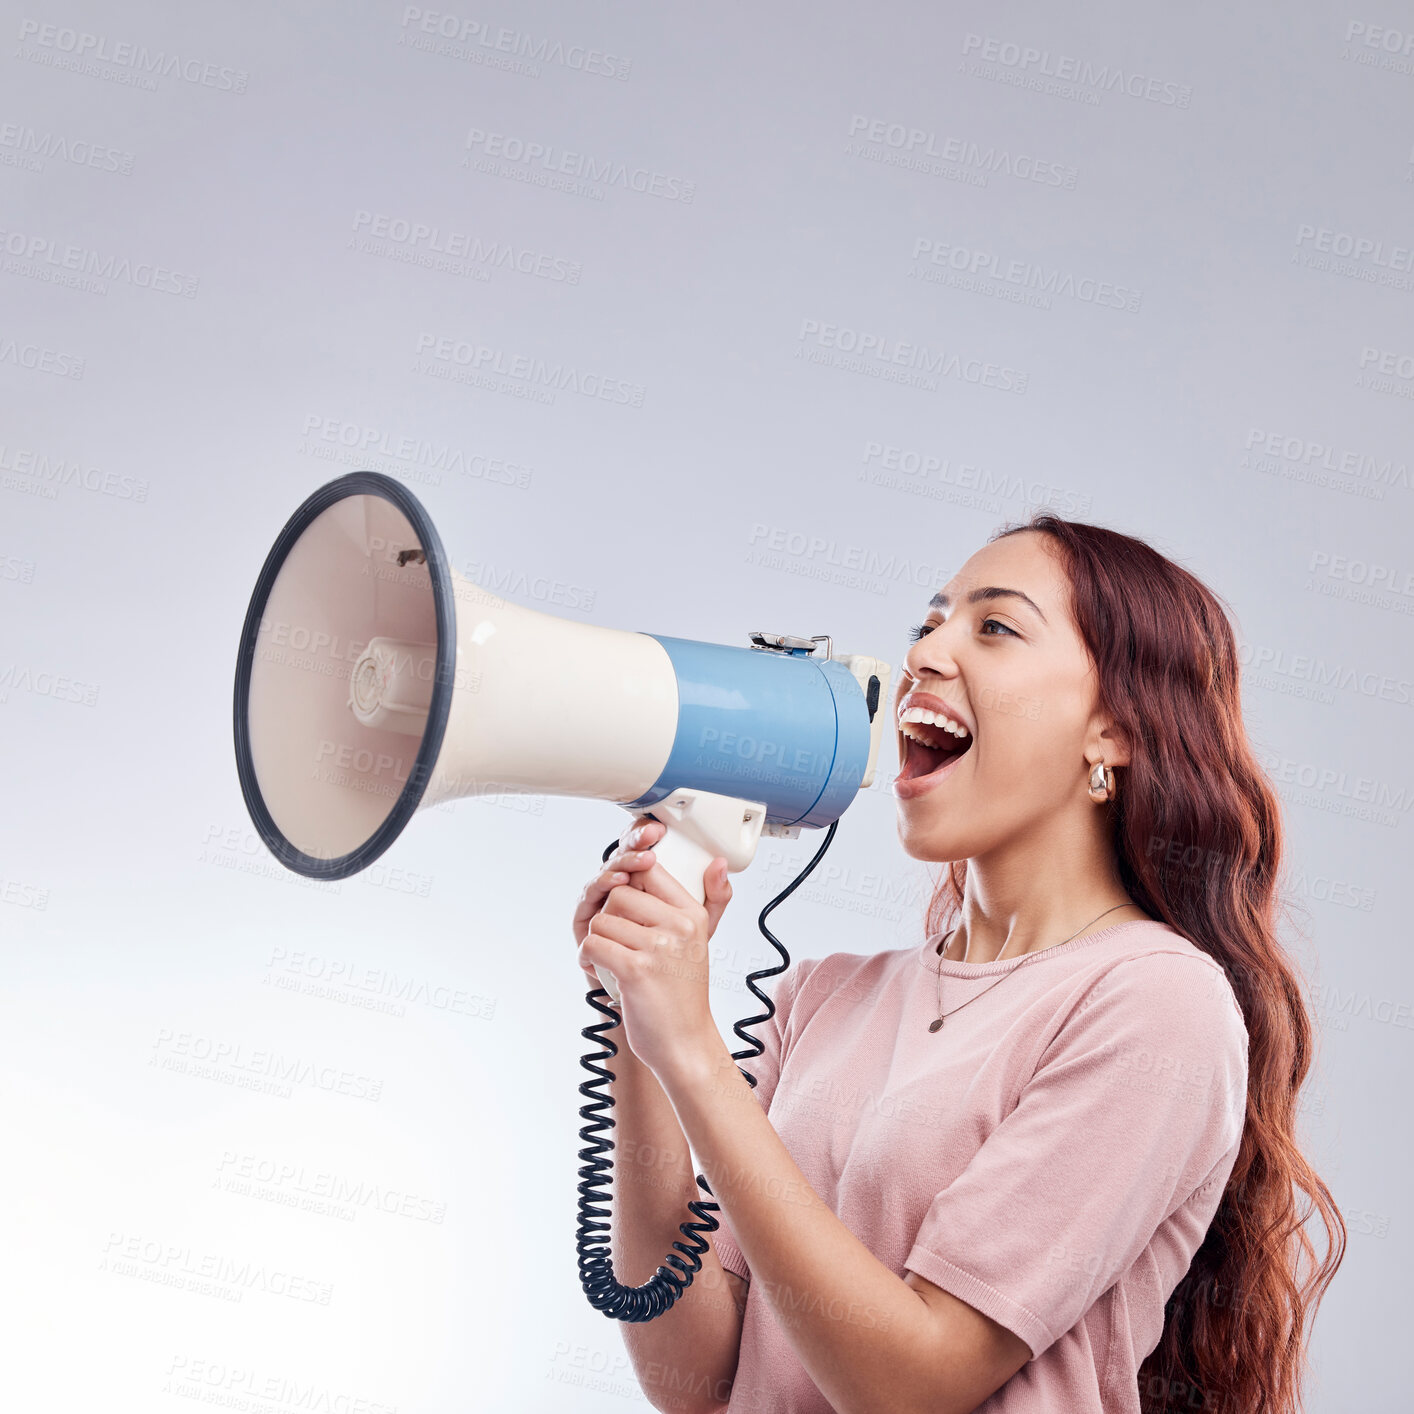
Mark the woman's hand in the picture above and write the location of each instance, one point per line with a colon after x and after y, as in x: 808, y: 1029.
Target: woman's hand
x: 637, y: 921
x: 617, y: 869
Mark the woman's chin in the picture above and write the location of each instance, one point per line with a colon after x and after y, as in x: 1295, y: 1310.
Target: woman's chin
x: 934, y: 852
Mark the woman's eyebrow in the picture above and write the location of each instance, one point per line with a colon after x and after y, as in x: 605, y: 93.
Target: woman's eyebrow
x: 941, y: 600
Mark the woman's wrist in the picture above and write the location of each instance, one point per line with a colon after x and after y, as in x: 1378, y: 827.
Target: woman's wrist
x: 700, y: 1063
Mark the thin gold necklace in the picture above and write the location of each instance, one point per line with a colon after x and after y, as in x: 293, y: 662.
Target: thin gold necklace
x: 937, y: 1025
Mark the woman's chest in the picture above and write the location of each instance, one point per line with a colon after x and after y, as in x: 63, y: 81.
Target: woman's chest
x: 878, y: 1127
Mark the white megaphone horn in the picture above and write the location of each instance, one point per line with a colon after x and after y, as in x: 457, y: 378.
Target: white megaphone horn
x: 373, y: 680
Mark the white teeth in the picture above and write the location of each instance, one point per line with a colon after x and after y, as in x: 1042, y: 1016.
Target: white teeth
x: 936, y: 719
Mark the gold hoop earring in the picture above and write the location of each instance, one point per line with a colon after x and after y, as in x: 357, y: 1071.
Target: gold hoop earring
x: 1102, y: 783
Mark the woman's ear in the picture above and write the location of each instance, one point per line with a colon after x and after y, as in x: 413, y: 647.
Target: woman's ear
x: 1106, y: 742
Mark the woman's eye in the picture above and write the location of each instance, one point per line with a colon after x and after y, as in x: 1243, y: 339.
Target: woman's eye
x: 920, y: 630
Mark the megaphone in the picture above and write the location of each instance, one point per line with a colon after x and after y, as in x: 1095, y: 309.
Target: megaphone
x: 373, y: 680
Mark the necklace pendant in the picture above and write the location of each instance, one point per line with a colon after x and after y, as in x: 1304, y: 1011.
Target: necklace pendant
x: 934, y: 1025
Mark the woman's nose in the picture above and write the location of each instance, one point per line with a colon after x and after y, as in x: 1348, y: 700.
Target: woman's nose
x: 930, y: 655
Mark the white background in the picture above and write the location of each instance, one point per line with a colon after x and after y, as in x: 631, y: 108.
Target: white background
x: 200, y: 323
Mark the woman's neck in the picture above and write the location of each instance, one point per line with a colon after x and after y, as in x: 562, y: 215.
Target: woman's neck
x: 1024, y: 900
x: 959, y: 946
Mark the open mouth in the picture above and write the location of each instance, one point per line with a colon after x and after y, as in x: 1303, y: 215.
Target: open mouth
x: 929, y: 748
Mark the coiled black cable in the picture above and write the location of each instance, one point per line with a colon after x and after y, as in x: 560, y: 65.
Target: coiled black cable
x: 596, y: 1269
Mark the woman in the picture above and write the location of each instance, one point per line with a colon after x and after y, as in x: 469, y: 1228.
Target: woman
x: 1078, y: 1191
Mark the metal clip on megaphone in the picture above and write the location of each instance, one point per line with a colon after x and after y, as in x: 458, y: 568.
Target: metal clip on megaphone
x: 373, y: 681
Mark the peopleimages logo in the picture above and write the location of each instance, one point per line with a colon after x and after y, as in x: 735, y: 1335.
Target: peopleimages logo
x: 1274, y: 452
x: 1034, y: 63
x: 236, y: 1385
x: 1397, y: 579
x: 475, y: 42
x: 53, y: 472
x: 1336, y: 791
x: 458, y: 252
x: 898, y: 145
x: 362, y: 442
x: 1378, y: 46
x: 43, y: 258
x: 899, y: 360
x: 61, y: 47
x: 328, y: 1189
x: 22, y: 678
x: 1305, y: 674
x: 1356, y: 257
x: 207, y: 1273
x: 932, y: 473
x: 40, y: 358
x: 249, y: 1068
x: 938, y: 262
x: 31, y: 149
x: 544, y: 160
x: 1347, y: 243
x: 463, y: 361
x: 773, y: 546
x: 1387, y: 371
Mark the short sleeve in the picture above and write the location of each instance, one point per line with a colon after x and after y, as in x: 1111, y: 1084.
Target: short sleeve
x: 1136, y: 1103
x: 766, y: 1068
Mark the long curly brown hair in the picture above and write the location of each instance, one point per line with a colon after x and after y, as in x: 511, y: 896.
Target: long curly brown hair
x: 1199, y: 839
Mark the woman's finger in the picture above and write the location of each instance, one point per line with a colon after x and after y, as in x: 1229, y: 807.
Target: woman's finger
x: 631, y: 862
x: 631, y: 937
x: 602, y: 947
x: 652, y: 832
x: 629, y: 859
x: 717, y: 884
x: 592, y: 896
x: 618, y: 864
x: 640, y: 906
x: 620, y: 868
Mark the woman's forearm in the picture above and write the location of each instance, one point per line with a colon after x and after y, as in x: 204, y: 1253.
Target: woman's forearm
x: 686, y: 1358
x: 862, y: 1333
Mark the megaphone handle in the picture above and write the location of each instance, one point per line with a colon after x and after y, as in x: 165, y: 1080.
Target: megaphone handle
x: 699, y: 826
x: 687, y: 862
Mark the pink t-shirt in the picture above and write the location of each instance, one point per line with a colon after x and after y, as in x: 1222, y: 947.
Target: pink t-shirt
x: 1052, y: 1156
